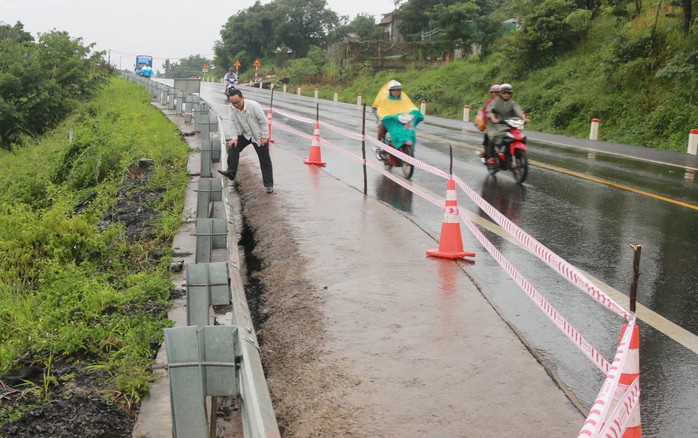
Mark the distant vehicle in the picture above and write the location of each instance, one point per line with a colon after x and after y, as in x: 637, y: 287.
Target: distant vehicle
x: 266, y: 81
x: 141, y: 62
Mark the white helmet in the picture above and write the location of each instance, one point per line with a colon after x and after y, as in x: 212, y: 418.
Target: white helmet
x: 394, y: 85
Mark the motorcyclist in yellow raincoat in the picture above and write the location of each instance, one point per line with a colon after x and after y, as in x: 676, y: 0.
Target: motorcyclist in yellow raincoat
x: 389, y: 104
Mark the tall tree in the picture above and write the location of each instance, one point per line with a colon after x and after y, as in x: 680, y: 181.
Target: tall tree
x: 365, y: 27
x: 414, y: 15
x: 15, y: 33
x: 457, y: 23
x: 551, y: 28
x: 301, y: 24
x: 41, y: 81
x: 186, y: 67
x: 250, y: 32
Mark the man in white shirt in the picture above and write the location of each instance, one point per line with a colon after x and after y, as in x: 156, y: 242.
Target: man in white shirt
x: 248, y: 125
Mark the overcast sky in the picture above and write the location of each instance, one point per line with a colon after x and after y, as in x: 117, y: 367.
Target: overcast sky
x: 164, y: 29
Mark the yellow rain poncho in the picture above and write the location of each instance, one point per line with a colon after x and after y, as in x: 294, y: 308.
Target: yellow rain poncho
x: 388, y: 106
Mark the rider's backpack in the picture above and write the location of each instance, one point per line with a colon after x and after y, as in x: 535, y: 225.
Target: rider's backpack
x: 481, y: 120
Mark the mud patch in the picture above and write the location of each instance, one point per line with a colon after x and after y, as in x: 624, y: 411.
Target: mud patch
x: 307, y: 392
x: 135, y: 208
x: 77, y: 405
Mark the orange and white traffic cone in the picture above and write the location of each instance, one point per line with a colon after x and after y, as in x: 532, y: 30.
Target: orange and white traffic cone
x: 315, y: 156
x: 271, y: 140
x: 451, y: 241
x: 630, y: 372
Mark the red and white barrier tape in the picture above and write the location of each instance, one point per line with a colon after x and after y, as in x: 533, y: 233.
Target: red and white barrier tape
x: 293, y: 130
x: 564, y: 268
x: 567, y: 328
x: 554, y: 261
x: 378, y: 167
x: 322, y: 124
x: 420, y: 164
x: 404, y: 157
x: 617, y: 422
x: 597, y: 413
x: 572, y: 274
x: 295, y: 117
x: 593, y: 427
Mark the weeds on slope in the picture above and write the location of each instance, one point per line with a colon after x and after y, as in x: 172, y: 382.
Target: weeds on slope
x: 87, y: 215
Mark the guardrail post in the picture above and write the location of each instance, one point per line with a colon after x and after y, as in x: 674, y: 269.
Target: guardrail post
x: 198, y: 298
x: 206, y: 154
x: 199, y: 112
x: 204, y: 128
x: 210, y: 234
x: 194, y: 114
x: 186, y: 382
x: 179, y: 96
x: 594, y: 131
x: 189, y: 101
x: 210, y: 280
x: 213, y: 129
x: 207, y: 285
x: 163, y: 95
x: 208, y: 191
x: 171, y: 98
x: 202, y: 361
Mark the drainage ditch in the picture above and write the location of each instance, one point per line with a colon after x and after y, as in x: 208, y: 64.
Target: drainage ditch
x: 253, y: 285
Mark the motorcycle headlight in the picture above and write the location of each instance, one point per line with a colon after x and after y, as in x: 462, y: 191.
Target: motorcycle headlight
x: 405, y: 118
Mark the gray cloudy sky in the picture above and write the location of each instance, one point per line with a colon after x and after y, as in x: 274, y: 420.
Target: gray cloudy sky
x: 164, y: 29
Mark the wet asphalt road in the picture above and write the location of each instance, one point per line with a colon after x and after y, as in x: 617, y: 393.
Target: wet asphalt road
x: 588, y: 223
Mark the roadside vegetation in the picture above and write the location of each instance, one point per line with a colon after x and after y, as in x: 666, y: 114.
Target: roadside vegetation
x: 87, y: 215
x: 632, y: 64
x: 43, y: 81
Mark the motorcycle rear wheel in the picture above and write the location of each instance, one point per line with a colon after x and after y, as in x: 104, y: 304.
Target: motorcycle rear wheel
x: 407, y: 168
x: 521, y: 169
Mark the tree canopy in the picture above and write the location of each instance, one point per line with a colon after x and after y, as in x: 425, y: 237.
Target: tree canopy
x: 186, y: 67
x: 40, y: 81
x: 282, y: 26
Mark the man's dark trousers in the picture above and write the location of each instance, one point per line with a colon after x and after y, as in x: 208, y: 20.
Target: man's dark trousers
x: 262, y: 154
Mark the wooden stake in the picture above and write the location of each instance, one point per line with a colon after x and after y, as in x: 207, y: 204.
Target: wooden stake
x: 636, y: 275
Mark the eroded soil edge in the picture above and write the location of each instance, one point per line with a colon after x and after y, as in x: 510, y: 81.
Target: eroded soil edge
x: 307, y: 390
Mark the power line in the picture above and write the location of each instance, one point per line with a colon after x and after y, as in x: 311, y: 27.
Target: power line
x: 207, y: 56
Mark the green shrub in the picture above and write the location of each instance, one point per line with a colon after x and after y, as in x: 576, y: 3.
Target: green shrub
x: 71, y: 285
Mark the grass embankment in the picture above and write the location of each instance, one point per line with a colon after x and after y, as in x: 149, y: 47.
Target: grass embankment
x: 606, y: 77
x: 74, y: 286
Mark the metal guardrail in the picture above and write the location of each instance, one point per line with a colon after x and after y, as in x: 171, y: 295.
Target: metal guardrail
x: 207, y: 285
x: 202, y: 362
x: 208, y: 190
x: 210, y: 234
x: 212, y: 360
